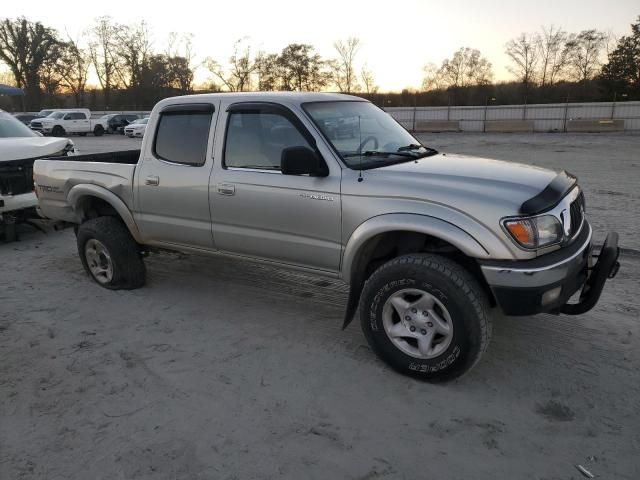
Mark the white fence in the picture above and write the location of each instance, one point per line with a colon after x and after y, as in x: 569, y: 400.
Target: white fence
x: 542, y: 117
x: 553, y: 117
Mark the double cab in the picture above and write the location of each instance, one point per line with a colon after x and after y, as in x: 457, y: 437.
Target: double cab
x: 429, y: 243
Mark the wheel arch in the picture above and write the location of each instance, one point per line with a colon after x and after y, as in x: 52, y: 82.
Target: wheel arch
x: 93, y: 198
x: 382, y: 238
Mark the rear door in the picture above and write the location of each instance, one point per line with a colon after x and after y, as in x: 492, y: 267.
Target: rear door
x: 173, y: 177
x: 81, y: 122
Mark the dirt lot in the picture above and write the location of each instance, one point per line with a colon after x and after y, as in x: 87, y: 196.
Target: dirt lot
x: 226, y: 370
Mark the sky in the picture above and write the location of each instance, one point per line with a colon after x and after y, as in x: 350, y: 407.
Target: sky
x: 398, y: 37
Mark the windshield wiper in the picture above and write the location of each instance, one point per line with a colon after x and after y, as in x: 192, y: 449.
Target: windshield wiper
x: 413, y: 146
x: 372, y: 153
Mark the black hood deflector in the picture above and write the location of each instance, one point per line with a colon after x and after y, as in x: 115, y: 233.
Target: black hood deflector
x: 551, y: 195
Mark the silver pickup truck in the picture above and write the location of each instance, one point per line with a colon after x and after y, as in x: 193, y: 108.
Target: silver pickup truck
x: 428, y: 242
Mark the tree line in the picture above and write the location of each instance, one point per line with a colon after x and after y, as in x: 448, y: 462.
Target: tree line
x: 48, y: 65
x: 550, y: 65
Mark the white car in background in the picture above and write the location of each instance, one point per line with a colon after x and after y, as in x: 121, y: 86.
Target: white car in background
x: 63, y: 122
x: 19, y: 148
x: 136, y: 128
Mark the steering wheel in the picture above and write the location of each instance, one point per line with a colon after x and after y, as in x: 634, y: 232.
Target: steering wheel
x: 370, y: 138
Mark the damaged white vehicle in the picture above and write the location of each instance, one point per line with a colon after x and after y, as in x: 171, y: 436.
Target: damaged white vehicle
x: 19, y: 148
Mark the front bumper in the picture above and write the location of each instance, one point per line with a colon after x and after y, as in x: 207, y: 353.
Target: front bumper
x: 546, y: 284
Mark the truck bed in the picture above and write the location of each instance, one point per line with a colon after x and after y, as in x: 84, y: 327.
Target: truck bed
x: 56, y: 177
x: 124, y: 156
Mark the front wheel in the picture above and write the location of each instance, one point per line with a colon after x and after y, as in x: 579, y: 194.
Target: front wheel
x: 426, y: 316
x: 109, y: 254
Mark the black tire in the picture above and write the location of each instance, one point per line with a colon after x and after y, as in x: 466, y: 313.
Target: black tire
x: 57, y: 131
x: 128, y: 270
x: 455, y: 289
x: 98, y: 130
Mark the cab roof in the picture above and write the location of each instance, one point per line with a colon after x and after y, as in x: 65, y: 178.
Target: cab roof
x: 289, y: 97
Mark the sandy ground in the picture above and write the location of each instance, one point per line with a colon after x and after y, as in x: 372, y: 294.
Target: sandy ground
x: 226, y: 370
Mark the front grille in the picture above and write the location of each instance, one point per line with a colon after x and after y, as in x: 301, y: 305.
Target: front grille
x: 36, y: 124
x: 577, y: 209
x: 16, y: 179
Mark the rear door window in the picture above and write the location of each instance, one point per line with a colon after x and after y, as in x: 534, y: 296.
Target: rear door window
x: 183, y: 133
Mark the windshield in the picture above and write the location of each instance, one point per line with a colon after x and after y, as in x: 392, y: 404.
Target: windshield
x: 12, y: 127
x: 364, y: 135
x: 57, y: 115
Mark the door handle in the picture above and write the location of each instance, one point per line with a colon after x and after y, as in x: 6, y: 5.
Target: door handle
x: 226, y: 189
x: 152, y: 180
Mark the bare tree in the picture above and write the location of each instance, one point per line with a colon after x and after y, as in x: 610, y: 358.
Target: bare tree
x: 432, y: 79
x: 467, y: 67
x: 584, y: 54
x: 132, y: 53
x: 300, y: 68
x: 103, y: 50
x: 553, y: 55
x: 25, y: 47
x: 345, y: 76
x: 181, y: 47
x: 54, y: 69
x: 523, y: 53
x: 75, y: 76
x: 242, y: 66
x: 368, y: 82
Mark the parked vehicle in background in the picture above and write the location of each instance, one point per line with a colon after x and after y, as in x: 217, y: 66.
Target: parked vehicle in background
x: 116, y: 122
x: 427, y: 242
x: 19, y: 147
x: 24, y: 117
x: 47, y: 112
x: 136, y: 128
x: 69, y: 121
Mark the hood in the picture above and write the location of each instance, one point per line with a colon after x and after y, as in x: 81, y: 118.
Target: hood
x: 22, y: 148
x: 478, y: 186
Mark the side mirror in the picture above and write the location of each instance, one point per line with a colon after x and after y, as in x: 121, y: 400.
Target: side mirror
x: 302, y: 161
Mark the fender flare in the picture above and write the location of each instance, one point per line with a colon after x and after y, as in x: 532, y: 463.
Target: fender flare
x: 408, y: 222
x: 88, y: 190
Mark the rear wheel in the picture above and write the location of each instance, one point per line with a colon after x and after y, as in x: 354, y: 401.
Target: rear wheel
x: 109, y: 254
x: 98, y: 130
x: 425, y: 316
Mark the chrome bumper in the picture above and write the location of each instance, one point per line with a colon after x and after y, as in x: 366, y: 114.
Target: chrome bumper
x: 539, y: 274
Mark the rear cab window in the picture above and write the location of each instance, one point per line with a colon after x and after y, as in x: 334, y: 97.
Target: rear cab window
x: 182, y: 134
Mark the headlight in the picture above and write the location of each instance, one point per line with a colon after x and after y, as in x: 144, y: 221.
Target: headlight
x: 535, y: 232
x: 68, y: 150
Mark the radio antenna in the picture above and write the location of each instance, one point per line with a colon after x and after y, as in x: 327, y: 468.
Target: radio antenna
x: 360, y: 151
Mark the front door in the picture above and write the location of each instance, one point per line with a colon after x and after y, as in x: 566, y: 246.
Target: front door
x: 259, y: 212
x: 173, y: 177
